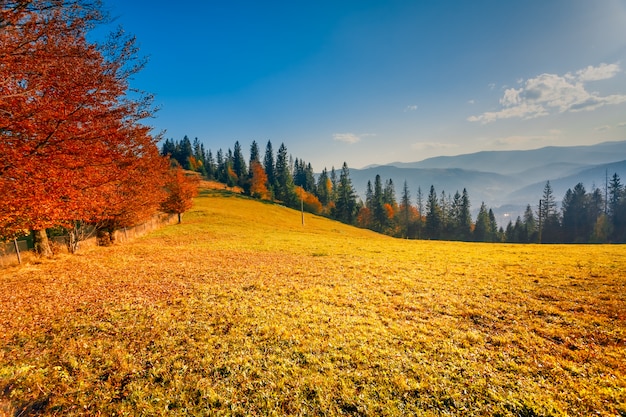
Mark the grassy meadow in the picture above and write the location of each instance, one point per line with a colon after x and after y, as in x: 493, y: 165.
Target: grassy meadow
x: 242, y: 310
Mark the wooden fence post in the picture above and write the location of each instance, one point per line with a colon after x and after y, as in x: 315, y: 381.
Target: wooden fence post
x: 17, y: 251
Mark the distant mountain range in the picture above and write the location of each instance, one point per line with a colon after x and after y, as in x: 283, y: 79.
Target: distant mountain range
x: 505, y: 180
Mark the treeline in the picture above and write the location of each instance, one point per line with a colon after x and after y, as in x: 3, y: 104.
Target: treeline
x: 595, y: 217
x: 73, y: 149
x: 280, y: 177
x: 584, y: 217
x: 273, y: 175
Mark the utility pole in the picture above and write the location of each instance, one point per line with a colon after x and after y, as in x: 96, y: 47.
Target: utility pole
x: 540, y: 218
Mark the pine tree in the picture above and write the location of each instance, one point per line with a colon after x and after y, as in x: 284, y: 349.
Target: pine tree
x: 333, y: 183
x: 268, y: 165
x: 211, y: 167
x: 185, y: 152
x: 309, y: 183
x: 465, y: 217
x: 255, y: 154
x: 420, y: 212
x: 617, y: 209
x: 345, y: 206
x: 168, y: 148
x: 284, y: 187
x: 405, y: 206
x: 576, y: 221
x: 433, y: 215
x: 378, y: 206
x: 482, y: 229
x: 550, y: 226
x: 324, y: 188
x: 494, y: 233
x: 529, y: 233
x: 239, y: 166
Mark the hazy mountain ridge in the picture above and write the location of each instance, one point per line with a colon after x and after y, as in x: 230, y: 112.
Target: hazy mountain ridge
x: 517, y: 162
x: 505, y: 180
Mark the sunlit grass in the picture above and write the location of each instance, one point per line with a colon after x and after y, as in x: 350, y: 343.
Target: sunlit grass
x: 242, y: 310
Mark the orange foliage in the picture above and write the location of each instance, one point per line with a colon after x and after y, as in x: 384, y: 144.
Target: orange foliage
x: 364, y: 218
x: 389, y: 211
x: 137, y: 196
x: 194, y: 163
x: 258, y: 189
x: 309, y: 201
x: 181, y: 190
x: 67, y: 130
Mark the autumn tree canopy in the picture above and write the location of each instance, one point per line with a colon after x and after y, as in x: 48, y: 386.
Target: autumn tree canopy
x: 181, y: 189
x: 70, y: 131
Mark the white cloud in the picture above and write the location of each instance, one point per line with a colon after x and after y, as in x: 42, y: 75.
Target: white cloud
x: 471, y: 101
x: 549, y: 93
x: 429, y: 146
x: 350, y: 137
x: 601, y: 72
x: 621, y: 124
x: 412, y: 107
x: 602, y: 128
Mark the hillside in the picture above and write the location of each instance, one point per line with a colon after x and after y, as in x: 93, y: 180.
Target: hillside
x: 242, y: 310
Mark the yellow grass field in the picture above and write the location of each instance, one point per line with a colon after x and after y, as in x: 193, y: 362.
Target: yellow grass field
x: 241, y: 310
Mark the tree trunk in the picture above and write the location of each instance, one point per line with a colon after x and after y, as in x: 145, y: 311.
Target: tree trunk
x: 180, y: 216
x: 42, y: 244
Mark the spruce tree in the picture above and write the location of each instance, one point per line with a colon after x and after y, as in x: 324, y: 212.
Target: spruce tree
x: 433, y: 215
x: 420, y: 211
x: 482, y: 229
x: 239, y: 166
x: 268, y: 165
x: 406, y: 209
x: 529, y: 233
x: 284, y: 188
x: 210, y: 165
x: 346, y: 205
x: 378, y: 212
x: 324, y: 188
x: 548, y: 216
x: 255, y: 154
x: 465, y: 217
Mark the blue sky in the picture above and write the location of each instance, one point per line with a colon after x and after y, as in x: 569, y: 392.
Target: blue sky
x: 373, y: 82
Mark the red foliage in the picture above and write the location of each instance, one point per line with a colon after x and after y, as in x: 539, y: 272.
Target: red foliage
x: 181, y: 190
x: 364, y: 218
x: 69, y: 137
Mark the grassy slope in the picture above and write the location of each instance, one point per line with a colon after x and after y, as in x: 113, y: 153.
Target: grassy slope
x: 241, y: 310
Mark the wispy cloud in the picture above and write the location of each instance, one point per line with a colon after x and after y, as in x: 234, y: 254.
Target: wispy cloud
x: 602, y: 128
x: 601, y: 72
x: 412, y: 107
x: 621, y: 124
x: 525, y: 141
x: 549, y: 93
x: 430, y: 146
x: 350, y: 137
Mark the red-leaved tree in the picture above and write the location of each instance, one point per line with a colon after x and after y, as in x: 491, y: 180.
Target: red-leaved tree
x: 181, y: 189
x: 68, y: 128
